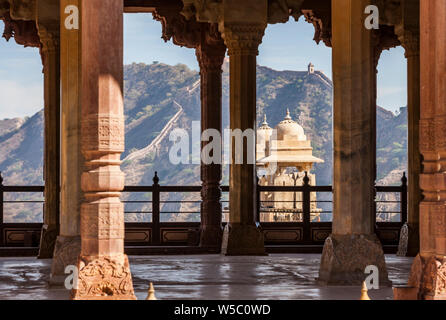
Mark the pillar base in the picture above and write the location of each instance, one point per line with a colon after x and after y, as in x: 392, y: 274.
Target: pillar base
x: 345, y: 258
x: 211, y: 236
x: 66, y: 252
x: 47, y: 241
x: 243, y: 240
x: 409, y: 244
x: 104, y: 278
x: 428, y: 277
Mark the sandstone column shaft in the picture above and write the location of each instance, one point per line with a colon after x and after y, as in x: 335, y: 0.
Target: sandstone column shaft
x: 51, y: 70
x: 413, y: 117
x: 408, y: 32
x: 243, y: 236
x: 67, y: 247
x: 352, y: 245
x: 211, y: 58
x: 104, y: 271
x: 428, y: 274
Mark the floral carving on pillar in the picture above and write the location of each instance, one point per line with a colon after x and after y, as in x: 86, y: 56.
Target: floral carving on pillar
x: 104, y: 277
x: 428, y: 275
x: 104, y: 271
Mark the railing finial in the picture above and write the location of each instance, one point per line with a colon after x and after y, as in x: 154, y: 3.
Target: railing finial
x: 156, y: 179
x: 306, y: 179
x: 1, y: 179
x: 404, y: 179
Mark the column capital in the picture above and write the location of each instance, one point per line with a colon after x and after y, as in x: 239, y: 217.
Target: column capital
x: 49, y: 37
x: 243, y: 38
x: 211, y: 51
x: 241, y: 23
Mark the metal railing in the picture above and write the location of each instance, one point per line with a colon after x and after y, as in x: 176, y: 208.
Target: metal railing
x: 29, y: 238
x: 157, y: 203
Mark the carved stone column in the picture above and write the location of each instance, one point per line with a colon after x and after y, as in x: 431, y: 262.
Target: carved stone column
x: 408, y: 33
x: 428, y: 274
x: 353, y: 245
x: 68, y: 244
x: 49, y: 37
x: 210, y: 55
x: 243, y: 235
x: 104, y: 271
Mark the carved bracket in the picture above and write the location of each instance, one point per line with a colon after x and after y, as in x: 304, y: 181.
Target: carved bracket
x: 202, y: 36
x: 24, y: 32
x: 322, y: 25
x: 384, y: 39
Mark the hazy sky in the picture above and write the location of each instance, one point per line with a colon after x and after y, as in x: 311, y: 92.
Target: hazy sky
x: 285, y: 47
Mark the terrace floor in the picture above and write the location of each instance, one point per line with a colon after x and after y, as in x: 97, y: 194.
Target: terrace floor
x: 202, y: 277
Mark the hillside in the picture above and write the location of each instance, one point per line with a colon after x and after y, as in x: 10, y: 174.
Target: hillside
x: 160, y: 98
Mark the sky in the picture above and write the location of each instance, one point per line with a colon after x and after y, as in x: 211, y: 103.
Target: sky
x: 287, y: 46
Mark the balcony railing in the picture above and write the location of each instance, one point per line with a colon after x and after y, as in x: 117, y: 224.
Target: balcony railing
x: 170, y: 215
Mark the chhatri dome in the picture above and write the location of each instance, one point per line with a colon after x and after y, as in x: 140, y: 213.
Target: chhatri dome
x: 285, y: 146
x: 288, y: 129
x: 264, y: 131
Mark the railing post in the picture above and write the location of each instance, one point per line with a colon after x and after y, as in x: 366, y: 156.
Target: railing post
x: 375, y: 193
x: 403, y: 198
x: 258, y: 200
x: 306, y: 208
x: 156, y: 234
x: 1, y: 210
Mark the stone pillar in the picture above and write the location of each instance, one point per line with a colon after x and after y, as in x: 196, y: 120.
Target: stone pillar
x: 210, y: 58
x: 243, y: 235
x: 408, y: 34
x: 68, y: 244
x: 428, y: 274
x: 353, y: 245
x: 104, y: 271
x: 49, y: 37
x: 413, y: 82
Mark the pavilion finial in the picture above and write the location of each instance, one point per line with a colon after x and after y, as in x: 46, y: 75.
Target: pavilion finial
x: 288, y: 116
x: 265, y: 123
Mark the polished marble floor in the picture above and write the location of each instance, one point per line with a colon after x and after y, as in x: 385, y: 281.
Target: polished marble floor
x: 277, y: 276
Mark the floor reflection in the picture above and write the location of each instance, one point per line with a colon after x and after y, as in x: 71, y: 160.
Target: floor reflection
x: 206, y: 277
